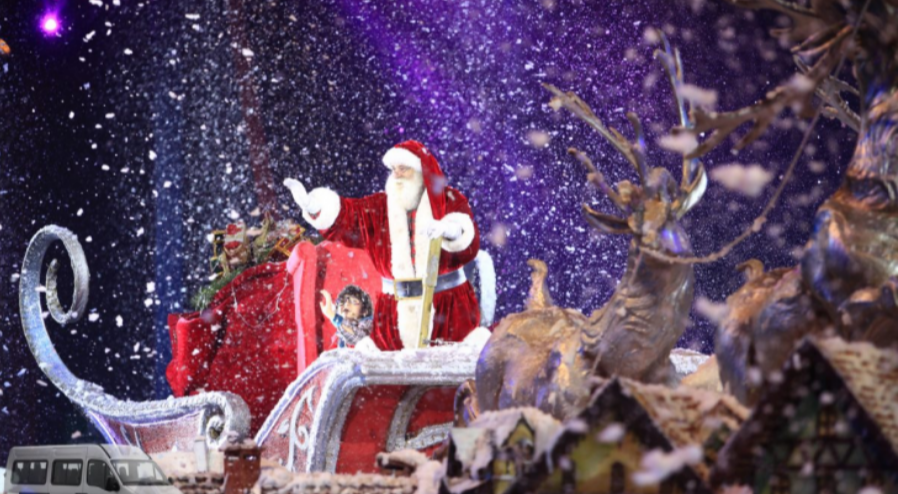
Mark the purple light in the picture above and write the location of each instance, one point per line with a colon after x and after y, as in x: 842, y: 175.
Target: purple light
x: 50, y: 24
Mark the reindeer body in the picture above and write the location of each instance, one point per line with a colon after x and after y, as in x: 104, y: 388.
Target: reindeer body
x: 546, y: 357
x: 549, y: 357
x: 845, y: 284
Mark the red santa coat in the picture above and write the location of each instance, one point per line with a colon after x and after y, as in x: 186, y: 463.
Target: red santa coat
x: 379, y: 224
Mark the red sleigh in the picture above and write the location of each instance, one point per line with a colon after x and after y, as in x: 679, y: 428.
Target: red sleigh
x: 263, y: 329
x: 264, y: 347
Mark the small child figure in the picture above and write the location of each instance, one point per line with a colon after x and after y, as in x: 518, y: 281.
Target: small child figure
x: 352, y: 314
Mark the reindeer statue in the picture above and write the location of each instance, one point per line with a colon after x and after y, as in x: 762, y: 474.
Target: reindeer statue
x: 545, y: 356
x: 845, y: 283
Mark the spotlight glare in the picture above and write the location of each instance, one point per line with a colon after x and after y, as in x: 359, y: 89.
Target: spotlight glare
x: 50, y: 24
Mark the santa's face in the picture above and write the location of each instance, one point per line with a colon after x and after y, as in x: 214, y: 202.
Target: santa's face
x: 406, y: 184
x: 402, y: 171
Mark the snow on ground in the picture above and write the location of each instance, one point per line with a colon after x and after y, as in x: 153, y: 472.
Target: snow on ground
x: 284, y: 482
x: 275, y: 478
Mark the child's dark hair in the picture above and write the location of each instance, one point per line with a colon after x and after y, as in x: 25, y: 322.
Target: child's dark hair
x: 355, y: 291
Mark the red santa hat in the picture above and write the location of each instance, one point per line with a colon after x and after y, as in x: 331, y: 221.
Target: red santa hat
x: 414, y: 155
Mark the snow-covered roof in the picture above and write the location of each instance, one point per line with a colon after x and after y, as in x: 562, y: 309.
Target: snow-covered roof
x: 503, y: 422
x: 466, y: 440
x: 235, y: 441
x: 686, y: 361
x: 681, y: 419
x: 474, y: 445
x: 275, y: 478
x: 410, y: 457
x: 868, y: 374
x: 322, y: 483
x: 687, y: 416
x: 871, y: 374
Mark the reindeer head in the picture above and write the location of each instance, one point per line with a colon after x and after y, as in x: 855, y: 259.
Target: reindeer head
x: 654, y: 205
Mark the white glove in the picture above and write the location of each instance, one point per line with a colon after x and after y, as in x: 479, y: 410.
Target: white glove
x: 446, y: 229
x: 301, y: 197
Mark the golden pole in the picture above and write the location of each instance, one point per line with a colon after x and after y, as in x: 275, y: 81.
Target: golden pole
x: 430, y: 283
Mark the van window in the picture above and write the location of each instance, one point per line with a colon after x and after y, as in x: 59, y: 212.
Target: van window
x: 66, y: 472
x: 32, y: 472
x: 139, y: 472
x: 97, y: 472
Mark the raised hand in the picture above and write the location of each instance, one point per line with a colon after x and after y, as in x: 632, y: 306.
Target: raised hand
x: 327, y: 305
x: 299, y: 193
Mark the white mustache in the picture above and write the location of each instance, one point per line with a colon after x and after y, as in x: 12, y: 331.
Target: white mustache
x: 408, y: 190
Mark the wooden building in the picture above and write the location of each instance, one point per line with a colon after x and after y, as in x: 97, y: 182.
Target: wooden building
x: 498, y: 447
x: 637, y: 438
x: 829, y: 424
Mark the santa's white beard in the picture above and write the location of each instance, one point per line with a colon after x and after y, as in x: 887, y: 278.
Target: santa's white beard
x: 407, y: 191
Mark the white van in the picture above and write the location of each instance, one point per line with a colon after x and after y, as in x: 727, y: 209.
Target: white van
x: 83, y: 469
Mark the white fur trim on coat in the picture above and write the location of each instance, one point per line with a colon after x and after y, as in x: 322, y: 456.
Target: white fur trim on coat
x: 408, y: 319
x: 402, y: 264
x: 486, y: 271
x: 467, y: 232
x: 329, y: 202
x: 402, y: 156
x: 403, y: 267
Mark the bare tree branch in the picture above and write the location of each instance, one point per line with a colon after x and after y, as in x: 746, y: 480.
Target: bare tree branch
x: 835, y: 107
x: 805, y: 20
x: 839, y: 55
x: 828, y: 51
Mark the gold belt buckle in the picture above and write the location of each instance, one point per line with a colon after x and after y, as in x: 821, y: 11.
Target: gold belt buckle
x: 396, y: 293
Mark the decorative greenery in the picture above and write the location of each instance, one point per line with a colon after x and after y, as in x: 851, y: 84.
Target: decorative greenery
x: 202, y: 298
x: 237, y: 248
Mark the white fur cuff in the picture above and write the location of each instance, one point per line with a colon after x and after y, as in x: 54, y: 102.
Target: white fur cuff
x: 329, y: 202
x: 402, y: 156
x: 467, y: 232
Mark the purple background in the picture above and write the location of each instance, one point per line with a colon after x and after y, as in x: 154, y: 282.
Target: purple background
x: 336, y: 83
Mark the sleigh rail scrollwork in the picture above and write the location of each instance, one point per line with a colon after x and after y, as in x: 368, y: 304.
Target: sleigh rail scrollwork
x: 153, y: 425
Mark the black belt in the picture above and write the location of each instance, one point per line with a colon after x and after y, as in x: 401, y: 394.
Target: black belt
x: 415, y: 288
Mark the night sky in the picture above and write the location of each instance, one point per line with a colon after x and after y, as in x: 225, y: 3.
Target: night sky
x: 143, y: 126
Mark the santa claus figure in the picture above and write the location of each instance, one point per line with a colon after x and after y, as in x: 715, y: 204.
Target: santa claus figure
x: 395, y: 228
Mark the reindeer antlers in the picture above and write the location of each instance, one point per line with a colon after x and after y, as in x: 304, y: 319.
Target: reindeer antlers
x: 596, y: 178
x: 634, y: 152
x: 694, y: 179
